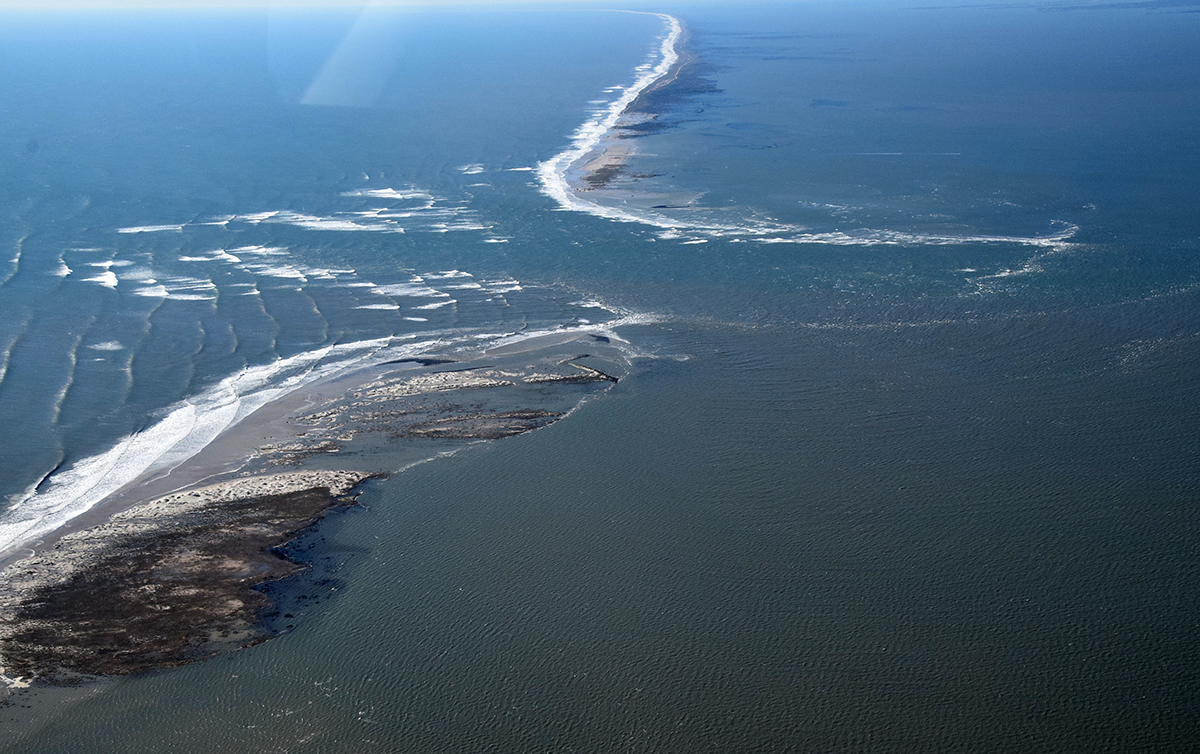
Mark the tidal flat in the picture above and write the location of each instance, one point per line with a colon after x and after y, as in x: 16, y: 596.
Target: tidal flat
x: 167, y: 578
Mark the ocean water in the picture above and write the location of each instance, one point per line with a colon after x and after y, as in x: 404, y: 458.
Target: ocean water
x: 906, y: 457
x: 156, y: 290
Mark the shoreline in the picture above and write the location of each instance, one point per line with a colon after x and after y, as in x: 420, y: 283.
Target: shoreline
x: 607, y: 160
x: 591, y: 175
x: 561, y: 176
x: 195, y: 541
x: 163, y: 583
x: 175, y: 435
x: 216, y: 461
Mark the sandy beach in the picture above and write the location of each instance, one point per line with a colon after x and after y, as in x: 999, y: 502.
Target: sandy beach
x: 163, y: 572
x: 602, y: 170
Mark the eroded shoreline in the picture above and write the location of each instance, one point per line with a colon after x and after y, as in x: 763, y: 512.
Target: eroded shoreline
x: 166, y: 572
x: 163, y: 583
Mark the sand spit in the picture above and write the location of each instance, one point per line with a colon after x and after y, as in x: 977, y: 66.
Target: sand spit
x: 399, y: 409
x: 167, y: 575
x: 608, y: 160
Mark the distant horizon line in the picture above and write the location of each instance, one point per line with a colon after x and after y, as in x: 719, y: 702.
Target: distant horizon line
x: 272, y: 4
x: 102, y: 5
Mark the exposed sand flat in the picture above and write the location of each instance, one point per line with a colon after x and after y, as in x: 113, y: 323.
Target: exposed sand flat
x: 436, y: 382
x: 602, y: 166
x: 285, y: 483
x: 164, y: 573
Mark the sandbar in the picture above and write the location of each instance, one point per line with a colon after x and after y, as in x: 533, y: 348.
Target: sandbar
x: 164, y: 571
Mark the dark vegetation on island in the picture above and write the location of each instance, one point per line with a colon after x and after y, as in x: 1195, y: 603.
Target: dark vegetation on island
x: 194, y: 573
x: 165, y: 596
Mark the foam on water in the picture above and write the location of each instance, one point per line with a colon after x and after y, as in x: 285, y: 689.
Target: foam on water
x: 65, y: 387
x: 553, y: 172
x: 870, y: 237
x: 108, y: 279
x: 152, y: 291
x: 15, y: 261
x: 183, y: 431
x: 181, y: 288
x: 265, y: 251
x: 414, y: 289
x: 447, y: 275
x: 286, y: 271
x: 391, y: 193
x: 143, y: 275
x: 150, y: 228
x: 311, y: 222
x: 554, y: 176
x: 184, y: 428
x: 431, y: 212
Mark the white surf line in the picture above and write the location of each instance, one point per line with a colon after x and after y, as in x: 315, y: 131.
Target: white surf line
x: 191, y: 424
x: 15, y: 262
x: 151, y: 228
x: 869, y: 237
x: 552, y: 174
x: 188, y: 427
x: 6, y: 348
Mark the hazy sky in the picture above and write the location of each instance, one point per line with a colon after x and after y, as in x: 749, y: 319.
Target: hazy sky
x: 100, y: 4
x: 46, y: 4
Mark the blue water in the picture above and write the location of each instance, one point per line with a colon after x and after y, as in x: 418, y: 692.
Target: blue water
x: 178, y: 214
x: 906, y: 458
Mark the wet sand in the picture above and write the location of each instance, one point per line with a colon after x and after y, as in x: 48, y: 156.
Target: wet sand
x: 164, y: 571
x: 605, y: 169
x: 603, y: 165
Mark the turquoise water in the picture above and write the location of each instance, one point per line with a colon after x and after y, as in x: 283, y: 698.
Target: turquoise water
x: 906, y: 461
